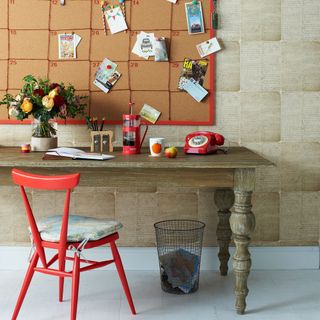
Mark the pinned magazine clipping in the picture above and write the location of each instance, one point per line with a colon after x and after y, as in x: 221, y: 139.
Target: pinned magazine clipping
x: 195, y: 69
x: 192, y: 78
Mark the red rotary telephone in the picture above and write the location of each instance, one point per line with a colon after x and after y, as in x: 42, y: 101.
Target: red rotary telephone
x: 203, y: 142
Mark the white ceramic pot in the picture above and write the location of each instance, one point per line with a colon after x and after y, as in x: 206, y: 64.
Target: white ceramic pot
x: 43, y: 144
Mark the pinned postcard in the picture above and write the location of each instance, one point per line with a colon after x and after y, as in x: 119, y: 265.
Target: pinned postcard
x: 105, y: 70
x: 106, y: 75
x: 194, y: 17
x: 116, y: 20
x: 68, y: 45
x: 195, y: 90
x: 208, y: 47
x: 144, y: 46
x: 150, y: 114
x: 108, y: 85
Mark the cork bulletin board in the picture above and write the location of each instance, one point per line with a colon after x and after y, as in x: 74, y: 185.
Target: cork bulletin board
x: 29, y: 45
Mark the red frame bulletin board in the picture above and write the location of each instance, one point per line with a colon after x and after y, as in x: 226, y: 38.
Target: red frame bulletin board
x: 82, y: 16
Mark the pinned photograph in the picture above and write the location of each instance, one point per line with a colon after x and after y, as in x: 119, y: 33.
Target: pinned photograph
x: 149, y: 113
x: 194, y: 17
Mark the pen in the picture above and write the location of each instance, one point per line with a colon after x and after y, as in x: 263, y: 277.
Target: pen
x: 95, y: 124
x: 102, y: 123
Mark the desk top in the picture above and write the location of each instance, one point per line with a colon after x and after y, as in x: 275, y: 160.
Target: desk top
x: 237, y: 157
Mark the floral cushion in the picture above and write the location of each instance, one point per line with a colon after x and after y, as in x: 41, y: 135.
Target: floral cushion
x: 79, y: 228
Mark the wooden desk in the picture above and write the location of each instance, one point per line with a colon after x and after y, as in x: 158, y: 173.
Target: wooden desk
x: 235, y: 170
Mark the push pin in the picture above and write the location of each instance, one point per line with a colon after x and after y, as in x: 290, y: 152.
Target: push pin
x: 62, y: 2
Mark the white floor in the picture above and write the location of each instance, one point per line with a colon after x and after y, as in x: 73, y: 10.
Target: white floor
x: 274, y: 295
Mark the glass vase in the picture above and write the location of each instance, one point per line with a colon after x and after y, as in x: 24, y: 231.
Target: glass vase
x: 44, y: 135
x: 44, y: 128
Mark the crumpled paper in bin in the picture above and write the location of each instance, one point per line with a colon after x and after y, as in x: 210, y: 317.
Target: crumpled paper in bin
x: 182, y: 268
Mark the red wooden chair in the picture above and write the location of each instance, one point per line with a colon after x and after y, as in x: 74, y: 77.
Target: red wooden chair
x: 106, y: 235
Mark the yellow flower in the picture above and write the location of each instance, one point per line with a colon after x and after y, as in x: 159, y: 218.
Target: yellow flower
x: 48, y: 102
x: 53, y: 93
x: 26, y: 105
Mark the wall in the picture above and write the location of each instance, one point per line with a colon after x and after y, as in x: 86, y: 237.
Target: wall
x: 268, y: 90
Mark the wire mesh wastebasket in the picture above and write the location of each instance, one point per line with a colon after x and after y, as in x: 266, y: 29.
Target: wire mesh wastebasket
x: 179, y: 244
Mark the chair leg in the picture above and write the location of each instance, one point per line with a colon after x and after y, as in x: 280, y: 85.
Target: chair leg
x: 25, y: 285
x: 75, y: 286
x: 122, y: 275
x: 62, y: 263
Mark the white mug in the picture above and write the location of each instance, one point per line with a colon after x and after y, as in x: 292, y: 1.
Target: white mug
x: 156, y: 146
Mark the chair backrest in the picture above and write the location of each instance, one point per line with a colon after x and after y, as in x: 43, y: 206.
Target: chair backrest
x: 34, y: 181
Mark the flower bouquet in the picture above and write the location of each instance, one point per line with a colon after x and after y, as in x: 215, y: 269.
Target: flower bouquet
x: 45, y: 101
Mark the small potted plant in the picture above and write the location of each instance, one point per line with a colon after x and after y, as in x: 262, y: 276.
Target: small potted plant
x: 45, y: 102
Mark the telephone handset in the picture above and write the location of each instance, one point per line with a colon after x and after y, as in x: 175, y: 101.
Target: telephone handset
x: 203, y: 142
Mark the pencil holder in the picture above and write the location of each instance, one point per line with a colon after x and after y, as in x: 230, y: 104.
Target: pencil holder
x: 101, y: 141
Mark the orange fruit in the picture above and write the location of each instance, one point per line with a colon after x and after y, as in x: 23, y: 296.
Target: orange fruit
x: 156, y: 148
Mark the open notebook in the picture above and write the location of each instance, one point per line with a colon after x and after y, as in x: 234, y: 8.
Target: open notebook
x: 77, y: 154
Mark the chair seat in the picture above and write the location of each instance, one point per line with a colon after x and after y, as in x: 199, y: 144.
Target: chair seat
x: 79, y: 228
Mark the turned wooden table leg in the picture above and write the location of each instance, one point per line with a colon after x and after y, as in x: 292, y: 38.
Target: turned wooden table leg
x: 224, y: 199
x: 242, y: 222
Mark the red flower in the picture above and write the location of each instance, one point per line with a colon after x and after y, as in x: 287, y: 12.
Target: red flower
x: 58, y: 101
x: 54, y: 85
x: 38, y: 92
